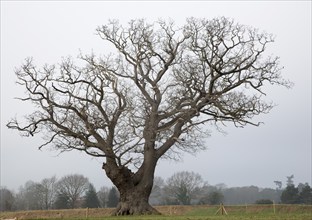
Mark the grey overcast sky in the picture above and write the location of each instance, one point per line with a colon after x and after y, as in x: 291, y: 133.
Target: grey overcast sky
x: 257, y: 156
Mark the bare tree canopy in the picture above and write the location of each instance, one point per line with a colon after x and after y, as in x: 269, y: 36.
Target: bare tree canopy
x: 72, y: 187
x: 184, y: 186
x: 150, y: 98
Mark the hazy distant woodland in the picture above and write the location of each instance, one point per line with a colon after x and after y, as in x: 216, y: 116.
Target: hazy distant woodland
x: 49, y: 193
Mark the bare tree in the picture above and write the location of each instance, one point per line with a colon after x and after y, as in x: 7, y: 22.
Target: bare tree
x: 72, y: 187
x: 102, y: 194
x: 157, y: 191
x: 49, y: 191
x: 150, y: 99
x: 6, y: 199
x: 184, y: 186
x: 30, y: 196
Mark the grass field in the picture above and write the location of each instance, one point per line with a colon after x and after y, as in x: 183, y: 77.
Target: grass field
x: 282, y: 212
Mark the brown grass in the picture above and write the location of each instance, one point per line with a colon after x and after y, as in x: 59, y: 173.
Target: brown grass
x: 84, y: 213
x: 55, y: 214
x: 165, y: 210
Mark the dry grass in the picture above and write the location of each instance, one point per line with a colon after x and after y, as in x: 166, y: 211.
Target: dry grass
x: 57, y: 214
x: 173, y: 212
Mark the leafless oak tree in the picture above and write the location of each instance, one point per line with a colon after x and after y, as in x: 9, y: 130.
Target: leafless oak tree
x: 72, y: 187
x: 183, y: 187
x: 149, y: 100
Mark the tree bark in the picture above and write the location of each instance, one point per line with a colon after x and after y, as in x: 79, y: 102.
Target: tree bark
x: 134, y: 188
x: 134, y: 202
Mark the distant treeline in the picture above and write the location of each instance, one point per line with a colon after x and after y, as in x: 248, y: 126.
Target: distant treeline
x: 183, y: 188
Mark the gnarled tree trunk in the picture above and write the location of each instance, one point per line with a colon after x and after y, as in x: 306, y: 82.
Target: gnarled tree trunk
x: 134, y: 188
x: 134, y: 202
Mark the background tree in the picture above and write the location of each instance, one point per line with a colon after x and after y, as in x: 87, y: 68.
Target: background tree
x: 102, y: 195
x: 184, y: 186
x: 290, y: 195
x: 6, y: 199
x: 157, y: 191
x: 91, y: 199
x: 150, y: 100
x: 215, y: 198
x: 206, y: 190
x: 113, y: 198
x: 305, y: 194
x: 49, y: 191
x: 290, y: 180
x: 71, y: 188
x: 62, y: 201
x: 30, y: 196
x: 278, y: 184
x: 20, y: 203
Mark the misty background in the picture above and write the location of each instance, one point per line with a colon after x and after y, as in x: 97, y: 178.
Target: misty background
x: 48, y: 31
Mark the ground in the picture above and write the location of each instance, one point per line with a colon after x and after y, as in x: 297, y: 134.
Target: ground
x: 295, y: 212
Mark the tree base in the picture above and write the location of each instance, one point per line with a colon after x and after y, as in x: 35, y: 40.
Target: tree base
x: 141, y: 208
